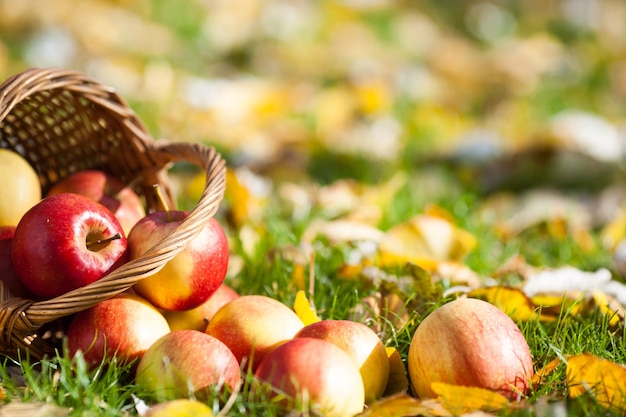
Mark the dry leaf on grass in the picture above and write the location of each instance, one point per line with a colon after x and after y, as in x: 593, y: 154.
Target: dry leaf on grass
x: 20, y: 409
x: 341, y: 230
x: 594, y: 289
x: 396, y: 298
x: 380, y: 311
x: 542, y: 374
x: 403, y: 405
x: 587, y: 374
x: 514, y: 215
x: 425, y: 240
x: 398, y: 381
x: 603, y: 379
x: 460, y: 400
x: 513, y: 301
x: 304, y: 309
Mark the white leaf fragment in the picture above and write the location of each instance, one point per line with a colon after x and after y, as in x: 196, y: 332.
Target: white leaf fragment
x: 570, y: 279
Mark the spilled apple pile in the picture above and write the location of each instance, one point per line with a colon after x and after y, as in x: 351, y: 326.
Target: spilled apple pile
x: 187, y: 331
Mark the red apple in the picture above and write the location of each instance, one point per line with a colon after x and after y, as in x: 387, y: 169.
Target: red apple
x: 253, y: 325
x: 187, y: 362
x: 193, y: 275
x: 7, y: 232
x: 106, y: 190
x: 198, y: 318
x: 362, y: 344
x: 316, y: 375
x: 124, y: 326
x: 65, y: 242
x: 9, y: 278
x: 473, y: 343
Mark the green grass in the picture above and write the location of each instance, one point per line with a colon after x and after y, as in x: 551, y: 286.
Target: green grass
x: 109, y: 390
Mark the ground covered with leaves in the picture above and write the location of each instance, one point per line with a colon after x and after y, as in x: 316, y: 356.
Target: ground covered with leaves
x: 384, y: 157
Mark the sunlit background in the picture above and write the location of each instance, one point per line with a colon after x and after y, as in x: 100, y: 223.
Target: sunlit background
x: 273, y: 82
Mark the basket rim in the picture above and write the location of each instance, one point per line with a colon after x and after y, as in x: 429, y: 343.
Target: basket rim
x: 20, y: 318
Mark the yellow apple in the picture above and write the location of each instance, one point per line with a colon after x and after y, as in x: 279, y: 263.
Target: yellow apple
x: 198, y: 318
x: 20, y: 188
x: 182, y: 407
x: 473, y: 343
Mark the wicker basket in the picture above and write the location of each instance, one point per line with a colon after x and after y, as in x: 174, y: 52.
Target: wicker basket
x: 63, y: 122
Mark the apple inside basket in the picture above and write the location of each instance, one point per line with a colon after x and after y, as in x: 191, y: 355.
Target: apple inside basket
x: 63, y: 122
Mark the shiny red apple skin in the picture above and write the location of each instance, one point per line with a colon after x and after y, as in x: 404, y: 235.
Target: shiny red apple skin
x: 7, y: 232
x: 362, y: 344
x: 107, y: 190
x: 473, y: 343
x: 9, y: 278
x: 193, y: 275
x: 187, y: 358
x: 252, y: 325
x: 124, y: 326
x: 49, y: 249
x: 198, y: 318
x: 317, y: 370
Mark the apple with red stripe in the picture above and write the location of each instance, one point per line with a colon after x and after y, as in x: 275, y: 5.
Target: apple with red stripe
x: 192, y: 275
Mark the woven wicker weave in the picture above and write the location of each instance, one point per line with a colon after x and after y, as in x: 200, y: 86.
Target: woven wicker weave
x: 63, y: 122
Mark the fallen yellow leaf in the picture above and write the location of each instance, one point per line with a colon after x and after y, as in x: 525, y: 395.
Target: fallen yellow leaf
x: 33, y: 409
x: 246, y: 196
x: 402, y: 404
x: 603, y: 303
x: 304, y: 310
x: 613, y: 232
x: 424, y: 240
x: 601, y: 378
x: 398, y: 381
x: 460, y: 399
x: 555, y: 305
x: 547, y: 369
x: 513, y: 301
x: 299, y: 275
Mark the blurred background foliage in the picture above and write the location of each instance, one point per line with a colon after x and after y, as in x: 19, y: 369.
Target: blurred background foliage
x: 354, y: 88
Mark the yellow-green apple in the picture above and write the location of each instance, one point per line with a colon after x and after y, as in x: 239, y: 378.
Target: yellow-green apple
x: 107, y: 190
x: 187, y: 362
x: 192, y: 275
x: 315, y: 375
x: 198, y: 318
x: 65, y: 242
x: 123, y: 326
x: 181, y: 407
x: 473, y: 343
x: 9, y: 278
x: 362, y: 344
x: 19, y: 187
x: 252, y: 325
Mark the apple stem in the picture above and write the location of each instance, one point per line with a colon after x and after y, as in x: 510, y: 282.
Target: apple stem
x: 91, y: 243
x: 161, y: 198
